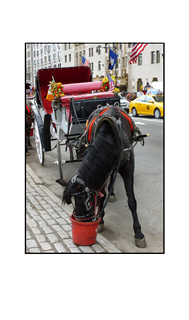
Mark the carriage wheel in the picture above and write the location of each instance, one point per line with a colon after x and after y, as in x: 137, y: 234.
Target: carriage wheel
x: 40, y: 152
x: 59, y: 159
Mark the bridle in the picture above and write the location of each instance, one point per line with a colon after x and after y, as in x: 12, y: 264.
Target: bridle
x: 90, y: 213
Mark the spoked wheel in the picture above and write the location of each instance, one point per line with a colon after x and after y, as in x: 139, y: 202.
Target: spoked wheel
x: 59, y: 159
x: 40, y: 152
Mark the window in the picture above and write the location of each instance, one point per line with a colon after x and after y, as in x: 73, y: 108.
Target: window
x: 141, y: 98
x: 157, y: 56
x: 28, y: 54
x: 91, y: 66
x: 41, y: 60
x: 49, y: 58
x: 41, y: 51
x: 65, y: 46
x: 54, y: 56
x: 99, y: 50
x: 45, y: 59
x: 54, y: 46
x: 140, y: 59
x: 37, y: 61
x: 65, y: 58
x: 99, y: 65
x: 38, y: 53
x: 148, y: 99
x: 152, y: 57
x: 90, y: 52
x: 129, y: 45
x: 70, y: 45
x: 106, y: 47
x: 34, y: 54
x: 49, y: 48
x: 45, y: 49
x: 59, y: 65
x: 59, y: 55
x: 69, y: 57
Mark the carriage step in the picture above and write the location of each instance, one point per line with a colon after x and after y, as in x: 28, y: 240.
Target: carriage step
x: 62, y: 162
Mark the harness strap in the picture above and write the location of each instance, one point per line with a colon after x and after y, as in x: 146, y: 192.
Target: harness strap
x: 92, y: 122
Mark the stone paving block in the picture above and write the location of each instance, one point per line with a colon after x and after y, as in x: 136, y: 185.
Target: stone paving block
x: 42, y: 212
x: 59, y: 247
x: 61, y: 221
x: 40, y: 238
x: 54, y: 215
x: 69, y: 243
x: 51, y: 222
x: 28, y: 235
x: 63, y: 214
x: 34, y: 250
x: 32, y: 212
x: 86, y: 249
x: 63, y: 234
x: 52, y: 238
x: 38, y: 207
x: 67, y: 227
x: 57, y: 227
x: 31, y: 243
x: 42, y: 223
x: 45, y: 246
x: 46, y: 216
x: 47, y: 229
x: 50, y: 210
x: 75, y: 250
x: 35, y: 230
x: 31, y: 223
x: 97, y: 248
x: 37, y: 218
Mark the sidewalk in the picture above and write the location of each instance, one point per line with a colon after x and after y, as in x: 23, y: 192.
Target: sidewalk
x: 48, y: 227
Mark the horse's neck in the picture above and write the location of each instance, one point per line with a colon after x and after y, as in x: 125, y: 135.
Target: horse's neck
x: 98, y: 163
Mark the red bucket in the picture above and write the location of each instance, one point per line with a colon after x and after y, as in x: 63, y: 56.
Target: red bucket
x: 84, y: 233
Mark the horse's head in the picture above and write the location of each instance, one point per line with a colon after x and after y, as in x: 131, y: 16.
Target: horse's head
x: 85, y: 200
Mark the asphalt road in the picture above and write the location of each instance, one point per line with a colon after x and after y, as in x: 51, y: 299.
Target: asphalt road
x: 148, y: 186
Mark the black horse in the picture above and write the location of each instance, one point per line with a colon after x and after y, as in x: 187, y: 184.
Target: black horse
x: 110, y: 150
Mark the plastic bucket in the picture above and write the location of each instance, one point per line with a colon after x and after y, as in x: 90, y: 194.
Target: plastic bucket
x: 84, y: 233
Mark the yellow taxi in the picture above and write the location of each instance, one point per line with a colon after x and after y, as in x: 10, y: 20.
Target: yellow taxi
x: 147, y: 105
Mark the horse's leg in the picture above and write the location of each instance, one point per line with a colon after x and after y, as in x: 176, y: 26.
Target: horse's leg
x: 126, y: 172
x: 101, y: 224
x: 112, y: 197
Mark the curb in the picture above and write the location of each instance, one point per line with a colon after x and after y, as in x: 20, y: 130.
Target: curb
x: 101, y: 240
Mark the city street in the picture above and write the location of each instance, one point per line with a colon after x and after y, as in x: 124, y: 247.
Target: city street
x: 148, y: 186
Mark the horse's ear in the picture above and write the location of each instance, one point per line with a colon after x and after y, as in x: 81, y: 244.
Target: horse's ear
x: 62, y: 182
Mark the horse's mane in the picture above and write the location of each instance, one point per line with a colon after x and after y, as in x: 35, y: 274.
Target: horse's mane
x: 98, y: 162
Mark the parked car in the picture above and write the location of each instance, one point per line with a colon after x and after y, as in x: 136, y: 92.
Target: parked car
x: 147, y: 105
x: 124, y: 103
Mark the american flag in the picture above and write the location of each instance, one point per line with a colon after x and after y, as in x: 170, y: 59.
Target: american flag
x: 111, y: 83
x: 85, y: 62
x: 137, y: 48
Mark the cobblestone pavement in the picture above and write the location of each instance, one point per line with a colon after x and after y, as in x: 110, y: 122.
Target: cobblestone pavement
x: 48, y: 227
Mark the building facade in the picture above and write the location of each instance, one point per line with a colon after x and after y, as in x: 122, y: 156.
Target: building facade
x: 149, y: 66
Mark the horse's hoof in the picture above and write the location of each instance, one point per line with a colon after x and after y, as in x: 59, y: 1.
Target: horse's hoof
x: 140, y: 243
x: 112, y: 198
x: 101, y: 227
